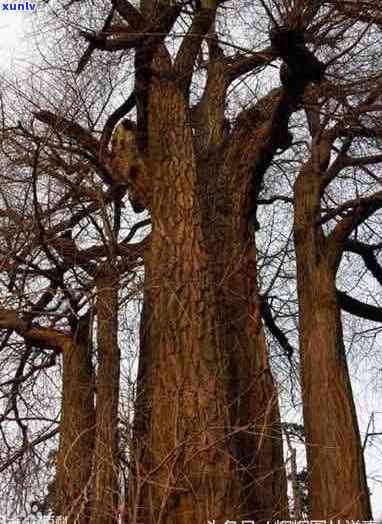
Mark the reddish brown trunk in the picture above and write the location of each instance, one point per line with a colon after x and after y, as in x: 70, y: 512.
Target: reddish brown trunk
x: 255, y: 397
x: 207, y: 405
x: 337, y: 481
x: 255, y: 418
x: 186, y: 287
x: 224, y: 179
x: 74, y: 460
x: 187, y: 472
x: 105, y: 482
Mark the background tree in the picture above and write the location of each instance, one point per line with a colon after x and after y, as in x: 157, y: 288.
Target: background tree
x: 206, y: 144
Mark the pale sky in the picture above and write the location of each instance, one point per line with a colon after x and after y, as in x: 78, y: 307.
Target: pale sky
x: 11, y: 31
x: 13, y: 49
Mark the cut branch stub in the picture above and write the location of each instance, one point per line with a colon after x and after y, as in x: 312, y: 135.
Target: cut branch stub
x: 127, y: 160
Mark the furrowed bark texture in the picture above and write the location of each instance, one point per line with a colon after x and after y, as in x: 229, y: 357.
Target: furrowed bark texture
x: 189, y: 475
x: 256, y: 398
x: 207, y: 433
x: 75, y: 453
x: 206, y: 438
x: 337, y: 480
x: 105, y: 495
x: 225, y: 194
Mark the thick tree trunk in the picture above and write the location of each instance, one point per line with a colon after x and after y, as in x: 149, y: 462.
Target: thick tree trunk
x: 228, y: 272
x: 259, y: 447
x: 226, y: 170
x: 74, y: 459
x: 207, y: 438
x: 254, y: 412
x: 255, y: 396
x: 105, y: 482
x: 336, y: 472
x: 140, y: 451
x: 202, y: 264
x: 189, y: 476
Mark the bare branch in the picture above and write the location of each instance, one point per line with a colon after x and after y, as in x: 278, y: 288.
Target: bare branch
x: 241, y: 65
x: 282, y: 339
x: 91, y: 47
x: 358, y: 308
x: 39, y: 336
x: 187, y: 54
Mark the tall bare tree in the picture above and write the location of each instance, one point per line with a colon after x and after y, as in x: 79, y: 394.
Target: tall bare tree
x: 206, y: 440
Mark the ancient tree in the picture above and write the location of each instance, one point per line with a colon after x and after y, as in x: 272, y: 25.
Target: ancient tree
x: 206, y: 164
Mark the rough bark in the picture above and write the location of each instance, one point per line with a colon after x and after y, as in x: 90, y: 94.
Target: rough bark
x: 254, y: 412
x: 105, y: 484
x: 202, y: 263
x: 204, y: 345
x: 74, y: 458
x: 70, y: 488
x: 254, y: 394
x: 189, y: 476
x: 227, y: 169
x: 336, y: 472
